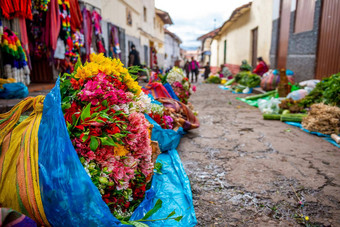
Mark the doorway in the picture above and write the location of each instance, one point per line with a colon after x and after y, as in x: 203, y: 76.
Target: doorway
x: 328, y: 55
x: 254, y: 35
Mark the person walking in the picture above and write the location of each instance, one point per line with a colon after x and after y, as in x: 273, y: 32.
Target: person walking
x: 134, y: 59
x: 194, y: 66
x: 187, y: 68
x: 206, y: 70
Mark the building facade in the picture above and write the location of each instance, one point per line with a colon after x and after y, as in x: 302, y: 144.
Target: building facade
x: 245, y: 36
x: 139, y: 23
x: 306, y: 41
x: 172, y: 49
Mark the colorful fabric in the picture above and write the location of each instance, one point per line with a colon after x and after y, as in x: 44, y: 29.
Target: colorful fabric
x: 16, y: 8
x: 87, y: 31
x: 270, y: 81
x: 76, y: 16
x: 187, y: 117
x: 53, y: 25
x: 157, y: 90
x: 19, y: 170
x: 12, y: 218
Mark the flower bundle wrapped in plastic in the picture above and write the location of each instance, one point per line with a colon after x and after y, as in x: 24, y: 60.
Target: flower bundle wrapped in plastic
x: 180, y: 84
x: 104, y: 111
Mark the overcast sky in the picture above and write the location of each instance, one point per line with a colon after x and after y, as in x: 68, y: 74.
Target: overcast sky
x: 193, y: 18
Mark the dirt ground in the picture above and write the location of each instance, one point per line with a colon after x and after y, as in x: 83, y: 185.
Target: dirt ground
x: 245, y: 171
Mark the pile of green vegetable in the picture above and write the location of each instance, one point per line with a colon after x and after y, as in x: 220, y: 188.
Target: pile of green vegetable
x: 213, y: 79
x: 248, y: 79
x: 327, y: 91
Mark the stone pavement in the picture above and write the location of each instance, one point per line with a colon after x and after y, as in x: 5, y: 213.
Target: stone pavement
x: 245, y: 171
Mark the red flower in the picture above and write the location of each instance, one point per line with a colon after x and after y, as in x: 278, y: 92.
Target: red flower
x: 76, y: 84
x: 112, y: 129
x: 95, y: 131
x: 73, y: 110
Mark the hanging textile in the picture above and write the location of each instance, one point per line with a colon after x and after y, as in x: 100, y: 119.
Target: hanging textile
x: 16, y: 8
x: 76, y: 16
x: 87, y: 31
x: 114, y: 42
x: 15, y: 59
x: 52, y: 26
x: 65, y: 31
x: 96, y: 19
x: 41, y: 5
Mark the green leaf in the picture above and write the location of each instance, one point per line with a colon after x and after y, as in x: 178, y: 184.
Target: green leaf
x: 157, y: 206
x: 78, y: 64
x: 94, y: 143
x: 86, y: 112
x: 85, y: 138
x: 104, y: 103
x: 108, y: 141
x: 171, y: 214
x: 138, y: 224
x: 178, y: 218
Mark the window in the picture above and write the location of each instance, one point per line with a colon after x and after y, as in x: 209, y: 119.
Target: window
x: 145, y: 14
x: 128, y: 17
x: 304, y: 15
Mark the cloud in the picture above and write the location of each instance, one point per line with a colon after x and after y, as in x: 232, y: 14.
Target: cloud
x: 193, y: 18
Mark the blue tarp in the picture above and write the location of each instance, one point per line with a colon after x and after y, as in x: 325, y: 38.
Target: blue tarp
x: 14, y: 91
x: 325, y: 137
x: 234, y: 92
x: 71, y: 199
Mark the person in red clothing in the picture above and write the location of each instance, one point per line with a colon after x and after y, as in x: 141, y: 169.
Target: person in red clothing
x: 261, y: 67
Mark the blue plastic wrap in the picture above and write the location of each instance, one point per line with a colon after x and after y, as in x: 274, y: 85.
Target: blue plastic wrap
x: 68, y: 194
x: 14, y: 91
x: 168, y: 139
x: 171, y: 91
x: 172, y: 186
x: 325, y: 137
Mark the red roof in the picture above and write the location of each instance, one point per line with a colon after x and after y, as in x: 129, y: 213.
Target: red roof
x: 209, y: 34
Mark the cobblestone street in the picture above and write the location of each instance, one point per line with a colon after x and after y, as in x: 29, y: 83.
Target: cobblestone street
x: 245, y: 171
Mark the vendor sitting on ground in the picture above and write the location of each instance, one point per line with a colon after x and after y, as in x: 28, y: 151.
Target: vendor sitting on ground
x: 245, y: 66
x: 261, y: 67
x: 225, y: 72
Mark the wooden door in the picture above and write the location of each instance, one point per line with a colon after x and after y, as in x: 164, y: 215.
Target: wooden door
x: 254, y: 35
x: 283, y: 33
x: 328, y: 57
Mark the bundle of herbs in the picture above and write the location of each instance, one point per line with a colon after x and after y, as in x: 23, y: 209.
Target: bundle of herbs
x: 327, y: 91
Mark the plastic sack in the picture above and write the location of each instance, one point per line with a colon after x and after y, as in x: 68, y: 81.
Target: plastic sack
x: 309, y: 83
x: 298, y: 94
x: 270, y: 106
x: 172, y: 186
x: 14, y: 91
x: 270, y: 80
x: 288, y: 72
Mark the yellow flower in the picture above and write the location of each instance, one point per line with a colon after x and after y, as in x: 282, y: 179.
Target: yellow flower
x: 120, y: 150
x: 307, y: 218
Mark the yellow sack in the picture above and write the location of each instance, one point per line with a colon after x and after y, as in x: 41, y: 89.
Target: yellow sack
x: 19, y: 171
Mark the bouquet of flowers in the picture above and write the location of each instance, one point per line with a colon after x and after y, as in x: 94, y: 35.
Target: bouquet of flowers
x: 104, y: 111
x: 180, y: 84
x: 159, y: 115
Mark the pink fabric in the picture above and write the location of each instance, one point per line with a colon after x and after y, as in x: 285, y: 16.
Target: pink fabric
x: 192, y: 65
x: 52, y: 24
